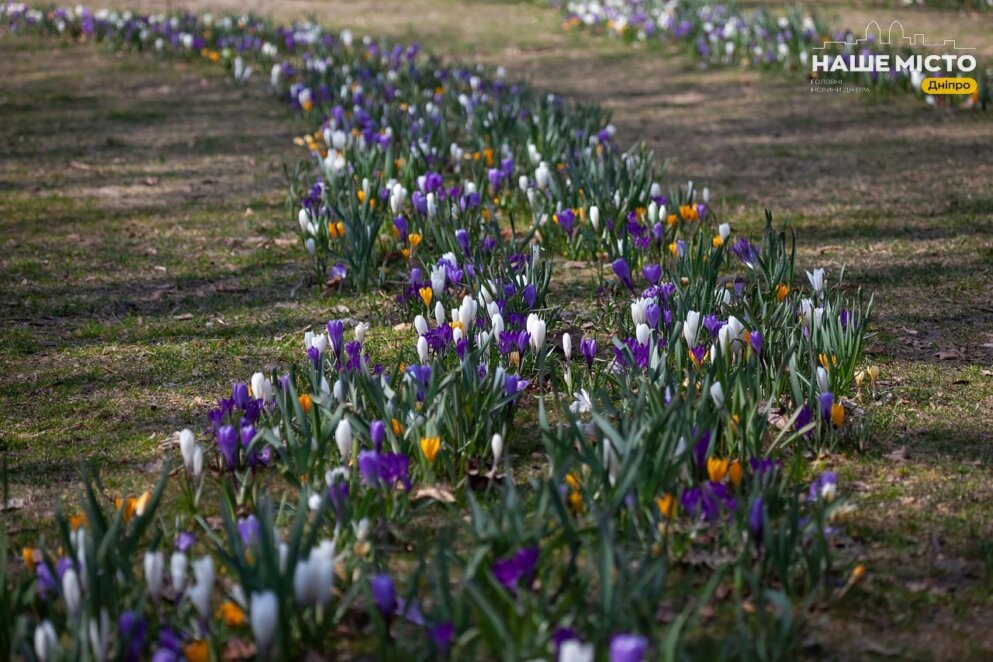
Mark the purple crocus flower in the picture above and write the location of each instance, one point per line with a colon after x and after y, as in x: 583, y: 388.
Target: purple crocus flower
x: 336, y: 333
x: 463, y: 238
x: 442, y: 635
x: 46, y: 582
x: 530, y: 295
x: 377, y: 431
x: 239, y: 394
x: 824, y: 486
x: 384, y: 594
x: 401, y: 227
x: 756, y: 519
x: 588, y: 347
x: 623, y: 272
x: 653, y: 315
x: 700, y: 450
x: 652, y: 273
x: 133, y: 628
x: 757, y: 341
x: 713, y: 324
x: 496, y: 178
x: 844, y: 317
x: 804, y: 418
x: 185, y: 541
x: 395, y: 468
x: 249, y: 529
x: 227, y: 443
x: 567, y: 220
x: 369, y: 467
x: 512, y: 569
x: 513, y: 385
x: 314, y: 355
x: 826, y: 401
x: 699, y: 352
x: 420, y: 202
x: 628, y: 648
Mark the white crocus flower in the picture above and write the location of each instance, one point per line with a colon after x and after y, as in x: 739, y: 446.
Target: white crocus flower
x: 816, y: 278
x: 567, y: 346
x: 691, y: 326
x: 439, y: 313
x: 717, y: 394
x: 360, y: 330
x: 71, y: 591
x: 343, y: 437
x: 541, y: 176
x: 643, y: 333
x: 46, y: 642
x: 638, y: 308
x: 177, y: 571
x: 262, y: 387
x: 420, y: 325
x: 100, y: 636
x: 595, y: 218
x: 422, y: 349
x: 154, y: 568
x: 187, y: 447
x: 496, y: 444
x: 203, y: 587
x: 724, y: 230
x: 582, y: 404
x: 822, y: 380
x: 574, y: 650
x: 264, y: 617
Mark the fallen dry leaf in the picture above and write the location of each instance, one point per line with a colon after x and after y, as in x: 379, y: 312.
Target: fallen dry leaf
x: 435, y: 493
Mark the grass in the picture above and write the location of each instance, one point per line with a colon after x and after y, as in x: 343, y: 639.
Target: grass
x: 148, y: 263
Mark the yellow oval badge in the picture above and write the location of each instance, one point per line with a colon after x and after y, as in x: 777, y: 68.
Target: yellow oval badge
x: 949, y: 85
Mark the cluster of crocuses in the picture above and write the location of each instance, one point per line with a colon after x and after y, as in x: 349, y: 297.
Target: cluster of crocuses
x: 367, y: 503
x: 721, y: 33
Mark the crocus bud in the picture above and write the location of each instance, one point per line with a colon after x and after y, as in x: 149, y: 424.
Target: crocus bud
x: 574, y: 650
x: 264, y: 617
x: 311, y: 246
x: 46, y: 642
x: 538, y: 334
x: 154, y: 566
x: 200, y: 592
x: 177, y: 571
x: 439, y: 313
x: 261, y: 387
x: 822, y: 380
x: 187, y: 446
x: 595, y: 217
x: 360, y: 330
x: 724, y: 230
x: 496, y: 443
x: 304, y: 219
x: 422, y: 349
x: 522, y: 183
x: 197, y: 462
x: 100, y: 636
x: 71, y: 591
x: 343, y: 437
x: 421, y: 325
x: 497, y: 324
x: 541, y: 176
x: 643, y: 333
x: 717, y: 394
x: 567, y: 346
x: 690, y: 327
x: 377, y: 431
